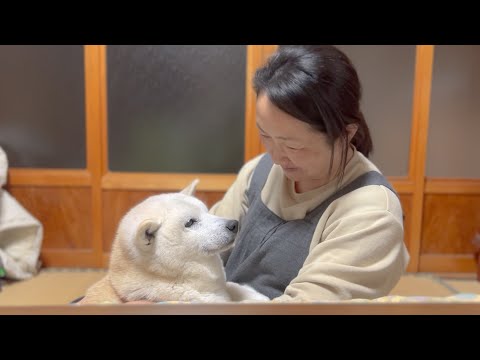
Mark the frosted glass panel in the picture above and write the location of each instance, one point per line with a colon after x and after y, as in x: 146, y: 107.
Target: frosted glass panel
x: 42, y: 105
x: 453, y: 147
x: 387, y: 76
x: 176, y: 108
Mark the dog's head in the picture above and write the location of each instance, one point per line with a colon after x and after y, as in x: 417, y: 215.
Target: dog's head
x: 171, y: 229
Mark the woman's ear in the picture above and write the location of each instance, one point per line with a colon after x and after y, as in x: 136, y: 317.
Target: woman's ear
x: 351, y: 131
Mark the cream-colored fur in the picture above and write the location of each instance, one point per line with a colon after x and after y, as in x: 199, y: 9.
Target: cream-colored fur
x: 167, y: 249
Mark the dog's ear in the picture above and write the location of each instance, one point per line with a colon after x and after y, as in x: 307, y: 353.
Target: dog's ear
x: 146, y: 234
x: 190, y: 189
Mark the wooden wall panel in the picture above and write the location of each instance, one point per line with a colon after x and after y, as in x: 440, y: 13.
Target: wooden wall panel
x: 449, y: 223
x: 65, y: 213
x: 447, y: 263
x: 69, y: 258
x: 406, y: 200
x: 210, y: 197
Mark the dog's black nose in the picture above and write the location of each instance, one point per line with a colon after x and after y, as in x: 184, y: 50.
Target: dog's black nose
x: 232, y: 225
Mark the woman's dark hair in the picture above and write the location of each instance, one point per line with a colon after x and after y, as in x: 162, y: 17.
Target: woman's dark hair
x: 319, y: 85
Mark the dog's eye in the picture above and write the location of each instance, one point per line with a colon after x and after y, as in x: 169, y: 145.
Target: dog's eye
x: 190, y: 222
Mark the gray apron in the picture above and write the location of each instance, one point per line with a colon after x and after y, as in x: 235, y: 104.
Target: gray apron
x: 269, y: 251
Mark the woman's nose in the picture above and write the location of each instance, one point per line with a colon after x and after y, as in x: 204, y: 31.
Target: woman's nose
x: 277, y: 155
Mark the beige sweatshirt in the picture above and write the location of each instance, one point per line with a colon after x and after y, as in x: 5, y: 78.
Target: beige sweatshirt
x: 357, y: 249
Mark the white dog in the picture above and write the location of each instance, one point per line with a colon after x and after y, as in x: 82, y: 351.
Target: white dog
x: 167, y: 249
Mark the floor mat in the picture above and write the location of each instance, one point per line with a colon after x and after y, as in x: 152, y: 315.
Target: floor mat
x: 59, y: 286
x: 49, y: 288
x: 464, y: 286
x: 421, y: 285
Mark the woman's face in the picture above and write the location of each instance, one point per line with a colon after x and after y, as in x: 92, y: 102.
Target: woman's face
x: 303, y: 152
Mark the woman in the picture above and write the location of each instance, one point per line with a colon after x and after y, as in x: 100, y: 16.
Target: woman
x: 317, y: 219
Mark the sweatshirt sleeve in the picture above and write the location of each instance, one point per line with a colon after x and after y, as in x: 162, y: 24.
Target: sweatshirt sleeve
x: 234, y: 204
x: 359, y: 254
